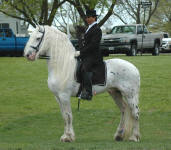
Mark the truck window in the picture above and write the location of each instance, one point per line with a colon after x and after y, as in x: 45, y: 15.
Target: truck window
x: 1, y: 33
x: 140, y: 30
x: 165, y: 35
x: 145, y: 30
x: 4, y: 25
x: 8, y: 33
x: 124, y: 29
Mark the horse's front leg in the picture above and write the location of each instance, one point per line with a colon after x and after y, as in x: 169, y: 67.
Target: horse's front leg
x: 65, y: 106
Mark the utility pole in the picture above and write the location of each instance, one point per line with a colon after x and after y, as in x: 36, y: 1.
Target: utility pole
x: 144, y: 5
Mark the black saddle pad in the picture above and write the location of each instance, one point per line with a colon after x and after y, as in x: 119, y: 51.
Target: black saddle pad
x: 99, y: 74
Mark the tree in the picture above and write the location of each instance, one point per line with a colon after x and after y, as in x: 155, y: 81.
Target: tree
x: 33, y: 11
x: 76, y: 9
x: 65, y: 12
x: 161, y: 21
x: 83, y: 5
x: 130, y: 11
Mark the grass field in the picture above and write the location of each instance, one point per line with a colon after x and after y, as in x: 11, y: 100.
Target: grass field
x: 30, y: 118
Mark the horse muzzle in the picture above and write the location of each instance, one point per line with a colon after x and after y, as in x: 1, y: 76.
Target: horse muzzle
x: 31, y: 56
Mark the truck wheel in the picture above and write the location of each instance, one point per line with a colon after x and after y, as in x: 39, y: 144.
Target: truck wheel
x: 133, y: 50
x: 156, y: 50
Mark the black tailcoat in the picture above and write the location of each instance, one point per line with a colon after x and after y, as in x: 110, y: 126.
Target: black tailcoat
x: 90, y: 53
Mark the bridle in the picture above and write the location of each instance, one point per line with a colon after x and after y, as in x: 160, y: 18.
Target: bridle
x: 36, y: 48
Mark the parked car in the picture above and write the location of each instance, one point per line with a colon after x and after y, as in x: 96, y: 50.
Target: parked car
x: 166, y: 45
x: 130, y: 39
x: 10, y: 44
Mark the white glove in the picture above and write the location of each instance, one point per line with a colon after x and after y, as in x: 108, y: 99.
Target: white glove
x: 77, y: 53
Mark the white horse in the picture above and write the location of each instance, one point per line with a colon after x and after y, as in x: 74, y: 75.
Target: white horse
x: 123, y: 81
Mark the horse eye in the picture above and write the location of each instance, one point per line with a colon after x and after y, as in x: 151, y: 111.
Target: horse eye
x: 38, y: 39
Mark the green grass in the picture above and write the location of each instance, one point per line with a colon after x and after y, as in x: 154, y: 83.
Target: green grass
x: 30, y: 118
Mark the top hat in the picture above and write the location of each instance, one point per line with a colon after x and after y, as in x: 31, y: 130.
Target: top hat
x: 91, y: 13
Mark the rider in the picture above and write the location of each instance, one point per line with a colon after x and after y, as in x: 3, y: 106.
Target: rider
x: 90, y: 53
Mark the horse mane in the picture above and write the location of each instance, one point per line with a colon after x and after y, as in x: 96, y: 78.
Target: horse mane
x: 61, y: 52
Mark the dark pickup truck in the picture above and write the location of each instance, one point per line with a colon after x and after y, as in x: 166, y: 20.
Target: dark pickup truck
x: 10, y: 45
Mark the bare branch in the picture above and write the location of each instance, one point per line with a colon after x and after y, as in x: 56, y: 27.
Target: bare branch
x: 120, y: 18
x: 151, y: 12
x: 110, y: 12
x: 24, y: 19
x: 25, y: 6
x: 55, y: 6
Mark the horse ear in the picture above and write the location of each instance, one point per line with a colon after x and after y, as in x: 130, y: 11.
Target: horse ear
x: 41, y: 28
x: 37, y: 26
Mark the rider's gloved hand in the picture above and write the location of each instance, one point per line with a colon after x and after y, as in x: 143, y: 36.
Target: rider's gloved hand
x: 77, y: 54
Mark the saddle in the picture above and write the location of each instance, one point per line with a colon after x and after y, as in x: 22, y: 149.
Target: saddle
x: 99, y: 74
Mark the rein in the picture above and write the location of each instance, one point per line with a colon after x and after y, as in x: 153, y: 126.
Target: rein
x: 44, y: 57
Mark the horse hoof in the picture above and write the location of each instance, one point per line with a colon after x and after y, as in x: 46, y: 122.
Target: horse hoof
x: 67, y: 138
x: 134, y: 138
x: 118, y: 138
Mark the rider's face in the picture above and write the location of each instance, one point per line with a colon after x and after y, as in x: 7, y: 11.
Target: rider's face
x: 90, y: 19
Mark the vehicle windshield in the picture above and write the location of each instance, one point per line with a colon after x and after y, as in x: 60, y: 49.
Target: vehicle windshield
x: 8, y: 33
x: 124, y: 29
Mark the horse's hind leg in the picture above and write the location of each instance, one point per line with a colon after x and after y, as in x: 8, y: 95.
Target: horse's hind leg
x: 65, y: 106
x: 116, y: 95
x: 133, y: 105
x: 128, y: 128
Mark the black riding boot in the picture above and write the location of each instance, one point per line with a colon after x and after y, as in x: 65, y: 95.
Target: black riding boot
x: 86, y: 93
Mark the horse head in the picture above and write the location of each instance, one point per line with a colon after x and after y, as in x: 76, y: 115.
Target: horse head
x: 33, y: 46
